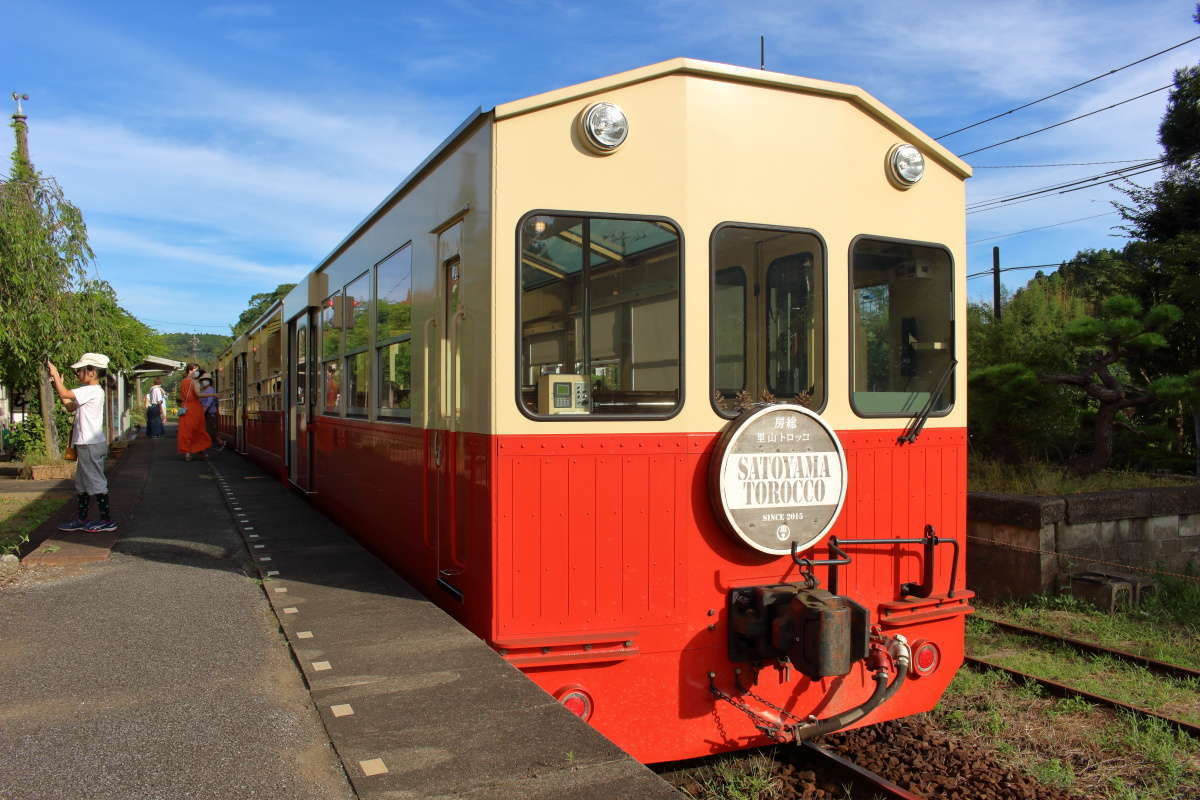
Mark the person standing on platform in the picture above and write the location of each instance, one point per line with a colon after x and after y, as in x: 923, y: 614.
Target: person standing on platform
x: 156, y: 409
x: 192, y: 438
x: 87, y: 436
x: 208, y: 399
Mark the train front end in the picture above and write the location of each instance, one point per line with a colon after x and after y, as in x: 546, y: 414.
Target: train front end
x: 729, y: 469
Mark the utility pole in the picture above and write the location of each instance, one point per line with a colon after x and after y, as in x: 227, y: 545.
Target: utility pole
x: 21, y: 129
x: 996, y: 284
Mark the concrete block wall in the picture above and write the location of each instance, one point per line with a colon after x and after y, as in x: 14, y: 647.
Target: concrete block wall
x: 1017, y: 545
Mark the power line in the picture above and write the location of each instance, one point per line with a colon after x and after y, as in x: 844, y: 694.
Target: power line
x: 1065, y: 121
x: 1010, y: 269
x: 1100, y: 179
x: 1042, y: 228
x: 1069, y: 88
x: 1065, y: 164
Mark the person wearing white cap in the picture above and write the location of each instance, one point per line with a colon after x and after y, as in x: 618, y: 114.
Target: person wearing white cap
x: 91, y: 447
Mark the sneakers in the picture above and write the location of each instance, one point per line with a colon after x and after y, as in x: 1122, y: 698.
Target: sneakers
x: 74, y: 525
x: 101, y: 526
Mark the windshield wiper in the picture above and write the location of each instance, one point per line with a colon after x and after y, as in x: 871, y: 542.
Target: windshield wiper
x: 918, y: 422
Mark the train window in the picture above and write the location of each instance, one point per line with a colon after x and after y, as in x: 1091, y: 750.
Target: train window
x: 609, y: 323
x: 332, y: 384
x: 729, y: 330
x: 903, y: 329
x: 356, y: 378
x: 393, y: 334
x: 768, y: 324
x: 330, y: 337
x: 331, y: 326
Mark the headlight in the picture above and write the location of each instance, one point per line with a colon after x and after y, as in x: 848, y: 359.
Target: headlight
x: 604, y: 126
x: 906, y: 165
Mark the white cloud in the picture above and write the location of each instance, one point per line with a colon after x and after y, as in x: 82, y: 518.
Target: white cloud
x: 206, y: 257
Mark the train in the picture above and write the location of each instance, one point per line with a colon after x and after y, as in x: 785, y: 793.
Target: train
x: 655, y: 384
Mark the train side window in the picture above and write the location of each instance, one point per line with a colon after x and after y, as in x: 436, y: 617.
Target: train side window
x: 607, y: 323
x: 356, y: 378
x: 903, y: 331
x: 729, y: 331
x: 393, y: 334
x: 768, y: 317
x: 331, y: 351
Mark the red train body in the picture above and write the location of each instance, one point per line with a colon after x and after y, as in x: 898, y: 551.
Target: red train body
x: 591, y: 551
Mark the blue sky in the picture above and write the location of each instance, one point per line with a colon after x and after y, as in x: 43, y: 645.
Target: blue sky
x: 218, y: 149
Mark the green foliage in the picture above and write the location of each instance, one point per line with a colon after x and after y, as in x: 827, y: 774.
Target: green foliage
x: 179, y: 347
x: 49, y: 309
x: 1005, y: 357
x: 27, y: 438
x: 257, y: 306
x: 1179, y: 133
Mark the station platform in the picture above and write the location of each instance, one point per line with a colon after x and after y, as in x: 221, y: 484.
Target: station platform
x: 238, y: 643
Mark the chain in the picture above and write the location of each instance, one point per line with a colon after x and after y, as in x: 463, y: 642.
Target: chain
x: 784, y: 714
x: 773, y: 731
x: 720, y: 725
x: 1126, y: 567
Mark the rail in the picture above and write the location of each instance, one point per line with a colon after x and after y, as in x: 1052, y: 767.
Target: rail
x: 1160, y: 667
x: 877, y: 782
x: 1063, y: 690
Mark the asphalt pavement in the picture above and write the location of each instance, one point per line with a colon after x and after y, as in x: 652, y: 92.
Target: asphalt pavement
x: 161, y: 672
x: 238, y: 644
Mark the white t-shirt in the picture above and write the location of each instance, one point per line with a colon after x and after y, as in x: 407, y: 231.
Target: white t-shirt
x: 157, y: 395
x: 89, y: 418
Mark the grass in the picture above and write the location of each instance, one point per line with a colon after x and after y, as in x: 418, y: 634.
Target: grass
x: 1099, y: 674
x: 40, y: 459
x: 1068, y: 743
x: 736, y: 778
x: 1041, y: 478
x: 1165, y: 628
x: 20, y: 516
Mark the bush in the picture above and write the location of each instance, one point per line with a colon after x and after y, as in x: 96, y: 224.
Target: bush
x: 26, y: 438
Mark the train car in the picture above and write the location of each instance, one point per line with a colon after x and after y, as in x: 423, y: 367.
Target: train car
x: 655, y: 383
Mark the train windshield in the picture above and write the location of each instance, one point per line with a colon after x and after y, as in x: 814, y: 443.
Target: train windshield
x: 768, y: 317
x: 608, y: 325
x: 903, y: 328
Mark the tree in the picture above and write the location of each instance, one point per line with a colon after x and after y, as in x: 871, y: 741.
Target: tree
x: 1105, y: 343
x: 49, y: 309
x: 259, y: 303
x: 1012, y: 416
x: 43, y: 256
x: 1164, y: 262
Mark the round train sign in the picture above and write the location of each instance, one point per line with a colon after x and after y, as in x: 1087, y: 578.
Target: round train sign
x: 778, y: 477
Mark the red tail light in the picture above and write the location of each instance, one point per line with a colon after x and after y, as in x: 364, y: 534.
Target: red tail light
x: 925, y: 657
x: 576, y: 700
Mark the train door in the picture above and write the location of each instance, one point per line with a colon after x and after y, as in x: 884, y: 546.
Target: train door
x: 239, y: 402
x: 300, y: 403
x: 445, y: 440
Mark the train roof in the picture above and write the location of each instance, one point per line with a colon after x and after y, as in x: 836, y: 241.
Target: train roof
x: 728, y: 72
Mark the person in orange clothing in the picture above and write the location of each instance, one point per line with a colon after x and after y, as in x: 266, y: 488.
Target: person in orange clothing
x: 192, y: 437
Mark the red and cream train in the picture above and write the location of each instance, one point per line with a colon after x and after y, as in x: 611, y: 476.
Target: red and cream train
x: 651, y: 382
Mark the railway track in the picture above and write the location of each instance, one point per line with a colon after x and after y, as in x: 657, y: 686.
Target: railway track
x: 878, y: 784
x: 1158, y: 667
x: 1063, y: 690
